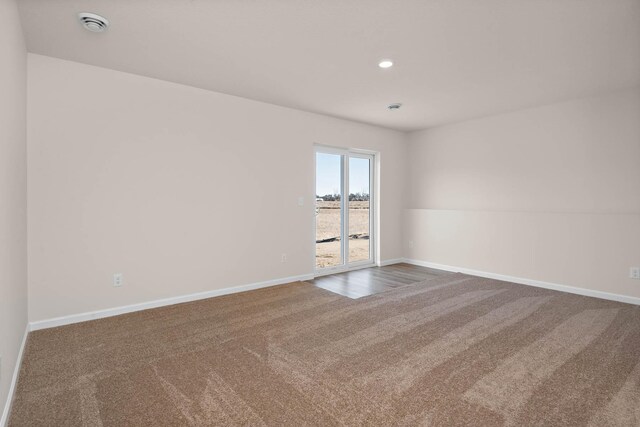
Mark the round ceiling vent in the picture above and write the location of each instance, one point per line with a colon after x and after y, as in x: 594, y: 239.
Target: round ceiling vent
x: 92, y: 22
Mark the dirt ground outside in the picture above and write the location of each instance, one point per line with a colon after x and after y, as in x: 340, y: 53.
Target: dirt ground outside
x: 328, y: 227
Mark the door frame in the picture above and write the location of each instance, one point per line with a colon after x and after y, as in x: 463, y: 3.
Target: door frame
x: 345, y: 154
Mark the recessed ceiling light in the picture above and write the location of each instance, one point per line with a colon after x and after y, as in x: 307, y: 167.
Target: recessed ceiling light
x: 92, y: 22
x: 386, y: 63
x: 394, y: 106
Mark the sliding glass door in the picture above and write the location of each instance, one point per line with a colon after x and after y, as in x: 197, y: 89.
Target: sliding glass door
x: 344, y: 209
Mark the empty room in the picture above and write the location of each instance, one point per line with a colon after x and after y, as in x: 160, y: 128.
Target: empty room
x: 319, y: 213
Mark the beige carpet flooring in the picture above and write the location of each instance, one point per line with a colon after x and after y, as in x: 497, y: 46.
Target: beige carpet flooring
x: 454, y: 350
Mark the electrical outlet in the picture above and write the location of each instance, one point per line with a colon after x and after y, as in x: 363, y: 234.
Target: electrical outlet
x: 283, y: 258
x: 117, y: 279
x: 634, y: 273
x: 410, y: 243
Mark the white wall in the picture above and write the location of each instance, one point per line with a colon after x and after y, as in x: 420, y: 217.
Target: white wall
x: 13, y: 193
x: 180, y: 189
x: 550, y: 193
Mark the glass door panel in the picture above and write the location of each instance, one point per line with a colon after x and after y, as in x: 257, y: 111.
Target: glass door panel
x: 359, y: 209
x: 329, y: 207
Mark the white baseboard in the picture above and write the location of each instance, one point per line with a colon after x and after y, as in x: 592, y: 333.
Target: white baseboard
x: 99, y: 314
x: 390, y: 262
x: 4, y: 420
x: 529, y: 282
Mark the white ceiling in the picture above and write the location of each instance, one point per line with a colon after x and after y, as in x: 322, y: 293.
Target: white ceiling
x: 455, y: 59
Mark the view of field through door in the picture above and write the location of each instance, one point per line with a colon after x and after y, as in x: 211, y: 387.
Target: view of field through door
x: 344, y: 209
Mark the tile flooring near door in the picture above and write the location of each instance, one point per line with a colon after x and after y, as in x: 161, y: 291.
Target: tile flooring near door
x: 373, y: 280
